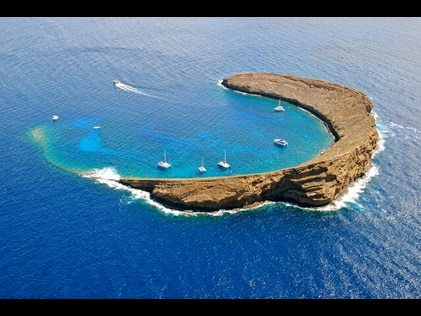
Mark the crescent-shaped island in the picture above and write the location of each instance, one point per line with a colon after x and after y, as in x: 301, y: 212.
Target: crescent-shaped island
x: 317, y: 182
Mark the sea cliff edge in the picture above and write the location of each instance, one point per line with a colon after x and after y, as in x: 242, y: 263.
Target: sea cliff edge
x: 317, y: 182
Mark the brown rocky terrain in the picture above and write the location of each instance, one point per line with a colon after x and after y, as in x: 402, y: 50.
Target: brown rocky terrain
x: 347, y: 113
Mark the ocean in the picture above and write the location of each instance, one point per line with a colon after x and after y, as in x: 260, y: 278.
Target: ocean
x: 70, y: 231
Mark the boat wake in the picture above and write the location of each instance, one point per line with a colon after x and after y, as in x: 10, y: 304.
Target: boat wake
x: 128, y: 88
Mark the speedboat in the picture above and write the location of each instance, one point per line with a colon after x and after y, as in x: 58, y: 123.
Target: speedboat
x: 54, y: 117
x: 116, y: 82
x: 280, y: 141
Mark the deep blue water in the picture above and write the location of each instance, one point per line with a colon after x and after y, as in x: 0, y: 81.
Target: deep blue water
x: 64, y: 234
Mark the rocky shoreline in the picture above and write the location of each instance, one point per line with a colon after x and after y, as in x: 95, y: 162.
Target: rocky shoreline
x: 317, y: 182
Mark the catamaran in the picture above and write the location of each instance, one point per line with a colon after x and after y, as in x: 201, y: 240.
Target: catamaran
x: 202, y: 167
x: 163, y: 163
x: 279, y: 108
x: 224, y: 163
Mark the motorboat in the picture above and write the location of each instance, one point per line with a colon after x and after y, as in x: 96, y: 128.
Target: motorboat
x: 97, y: 127
x: 224, y: 163
x: 280, y: 141
x: 163, y: 163
x: 54, y: 117
x: 116, y: 82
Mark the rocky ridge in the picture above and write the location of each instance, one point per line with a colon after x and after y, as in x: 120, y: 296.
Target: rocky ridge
x: 317, y: 182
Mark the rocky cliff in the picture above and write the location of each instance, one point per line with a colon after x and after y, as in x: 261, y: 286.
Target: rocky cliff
x: 347, y: 113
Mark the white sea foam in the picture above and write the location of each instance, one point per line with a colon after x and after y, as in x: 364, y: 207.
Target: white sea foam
x: 109, y: 176
x: 410, y: 128
x: 108, y: 173
x: 354, y: 190
x: 126, y: 87
x: 381, y: 141
x: 350, y: 195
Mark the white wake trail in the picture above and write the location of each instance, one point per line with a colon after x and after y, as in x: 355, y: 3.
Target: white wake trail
x: 128, y: 88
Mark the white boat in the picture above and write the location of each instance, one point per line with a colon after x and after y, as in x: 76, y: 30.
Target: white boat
x: 163, y: 163
x: 224, y: 163
x: 97, y: 127
x: 280, y: 141
x: 279, y: 108
x: 202, y: 167
x: 116, y: 82
x: 54, y: 117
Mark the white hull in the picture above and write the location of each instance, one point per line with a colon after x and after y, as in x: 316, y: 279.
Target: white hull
x: 202, y: 167
x: 224, y: 163
x: 163, y: 163
x: 280, y: 142
x: 279, y: 108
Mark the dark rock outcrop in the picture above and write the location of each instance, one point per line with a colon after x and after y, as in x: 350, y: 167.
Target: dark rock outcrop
x: 347, y: 113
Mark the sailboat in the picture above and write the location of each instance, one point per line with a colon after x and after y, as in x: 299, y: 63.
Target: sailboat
x: 164, y: 163
x: 279, y: 108
x: 224, y: 163
x: 202, y: 167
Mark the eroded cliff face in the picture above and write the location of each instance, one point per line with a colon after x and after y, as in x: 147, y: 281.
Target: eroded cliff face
x: 347, y: 113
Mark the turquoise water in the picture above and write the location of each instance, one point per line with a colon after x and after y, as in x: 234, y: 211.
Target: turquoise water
x: 65, y: 234
x: 206, y: 124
